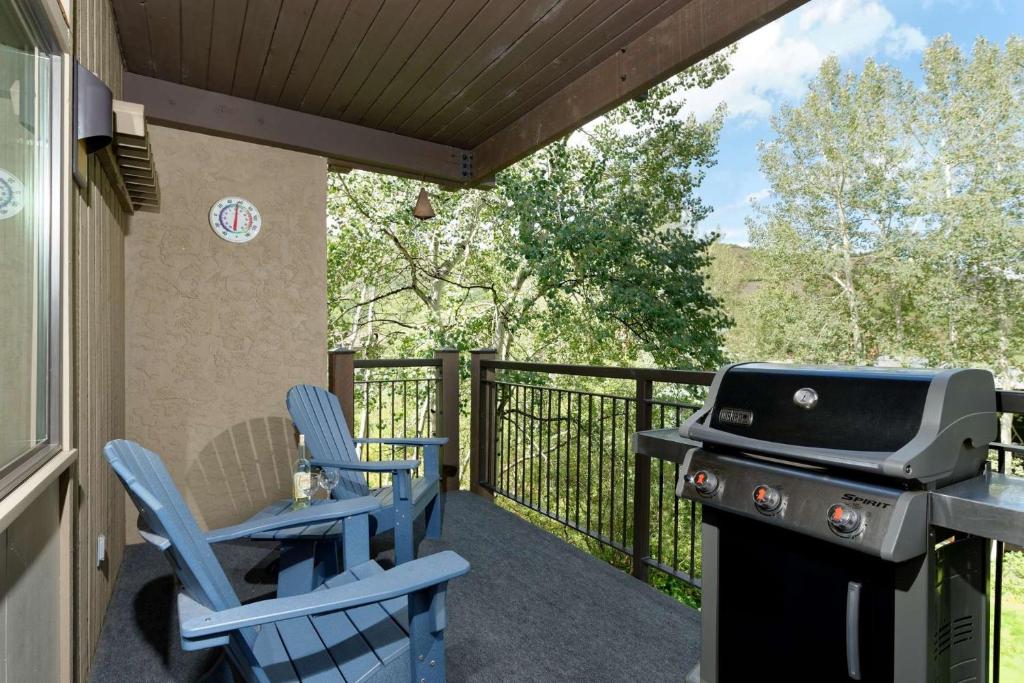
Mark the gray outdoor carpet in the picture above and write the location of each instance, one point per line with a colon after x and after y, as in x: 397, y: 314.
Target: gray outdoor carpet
x: 532, y: 608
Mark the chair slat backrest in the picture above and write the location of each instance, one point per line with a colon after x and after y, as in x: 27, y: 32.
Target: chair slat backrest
x: 317, y: 415
x: 164, y: 511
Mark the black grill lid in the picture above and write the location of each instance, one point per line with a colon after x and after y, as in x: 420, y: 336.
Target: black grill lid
x: 921, y: 425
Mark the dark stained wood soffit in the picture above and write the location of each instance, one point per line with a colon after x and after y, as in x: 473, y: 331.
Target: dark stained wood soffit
x: 499, y: 78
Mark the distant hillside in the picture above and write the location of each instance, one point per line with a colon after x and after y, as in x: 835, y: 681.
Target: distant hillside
x: 734, y: 279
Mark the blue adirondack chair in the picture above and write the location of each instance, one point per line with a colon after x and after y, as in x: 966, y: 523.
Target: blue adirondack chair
x: 317, y: 414
x: 365, y: 624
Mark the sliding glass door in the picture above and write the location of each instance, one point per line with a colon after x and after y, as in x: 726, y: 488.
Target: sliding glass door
x: 29, y: 245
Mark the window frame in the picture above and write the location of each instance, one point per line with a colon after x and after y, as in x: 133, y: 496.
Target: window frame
x: 14, y: 473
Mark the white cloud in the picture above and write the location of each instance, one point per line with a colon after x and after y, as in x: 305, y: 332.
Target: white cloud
x: 775, y: 63
x: 965, y: 5
x: 758, y: 196
x: 905, y: 40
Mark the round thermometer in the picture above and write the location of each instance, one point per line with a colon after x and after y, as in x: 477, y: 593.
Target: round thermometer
x: 12, y: 195
x: 235, y: 219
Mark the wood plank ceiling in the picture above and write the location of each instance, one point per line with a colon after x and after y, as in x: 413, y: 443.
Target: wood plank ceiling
x: 451, y: 72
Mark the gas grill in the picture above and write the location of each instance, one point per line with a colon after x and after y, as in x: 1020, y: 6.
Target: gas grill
x: 819, y: 561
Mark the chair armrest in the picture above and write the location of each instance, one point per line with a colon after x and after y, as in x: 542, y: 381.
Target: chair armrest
x: 402, y: 580
x: 411, y: 441
x: 314, y: 514
x: 379, y: 466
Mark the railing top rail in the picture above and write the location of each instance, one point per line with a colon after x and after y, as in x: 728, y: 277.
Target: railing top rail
x: 367, y: 363
x: 1007, y: 401
x: 1010, y: 401
x: 651, y: 374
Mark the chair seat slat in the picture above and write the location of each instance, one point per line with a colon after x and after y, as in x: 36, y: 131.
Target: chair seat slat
x: 387, y: 638
x: 311, y: 661
x: 398, y: 608
x: 346, y: 645
x: 273, y: 657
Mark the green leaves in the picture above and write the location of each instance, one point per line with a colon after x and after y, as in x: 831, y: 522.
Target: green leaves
x: 583, y: 252
x: 895, y: 227
x: 607, y: 225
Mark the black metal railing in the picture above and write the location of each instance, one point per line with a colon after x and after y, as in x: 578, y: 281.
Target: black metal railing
x: 399, y: 397
x: 556, y: 440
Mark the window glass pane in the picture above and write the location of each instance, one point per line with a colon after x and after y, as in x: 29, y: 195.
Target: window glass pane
x: 25, y: 217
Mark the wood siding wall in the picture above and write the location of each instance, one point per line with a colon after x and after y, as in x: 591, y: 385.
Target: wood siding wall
x: 98, y: 232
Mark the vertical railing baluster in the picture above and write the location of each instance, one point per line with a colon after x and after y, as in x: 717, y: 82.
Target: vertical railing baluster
x: 590, y: 440
x: 547, y: 452
x: 611, y: 458
x: 579, y: 441
x: 522, y: 454
x: 675, y: 530
x: 380, y: 423
x: 600, y: 465
x: 625, y: 474
x: 661, y: 502
x: 568, y: 449
x: 558, y: 452
x: 391, y: 394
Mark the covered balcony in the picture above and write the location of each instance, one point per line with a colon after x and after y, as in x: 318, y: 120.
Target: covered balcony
x: 166, y: 165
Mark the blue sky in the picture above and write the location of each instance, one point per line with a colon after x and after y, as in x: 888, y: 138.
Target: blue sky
x: 774, y: 65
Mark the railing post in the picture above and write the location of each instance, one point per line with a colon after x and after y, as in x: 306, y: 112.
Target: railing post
x: 341, y: 381
x: 479, y: 419
x: 642, y: 484
x: 448, y: 417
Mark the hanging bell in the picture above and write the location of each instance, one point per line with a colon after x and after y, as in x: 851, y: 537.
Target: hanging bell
x: 423, y: 209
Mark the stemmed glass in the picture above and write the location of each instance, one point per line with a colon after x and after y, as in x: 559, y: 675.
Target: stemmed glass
x: 329, y: 478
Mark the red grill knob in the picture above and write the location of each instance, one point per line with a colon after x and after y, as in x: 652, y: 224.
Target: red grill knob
x: 705, y: 482
x: 844, y: 520
x: 767, y: 499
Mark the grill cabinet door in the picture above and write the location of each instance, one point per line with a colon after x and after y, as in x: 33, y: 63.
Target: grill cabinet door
x: 784, y: 606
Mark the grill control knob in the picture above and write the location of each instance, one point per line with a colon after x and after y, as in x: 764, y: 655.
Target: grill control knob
x: 705, y: 482
x: 767, y: 499
x: 844, y: 520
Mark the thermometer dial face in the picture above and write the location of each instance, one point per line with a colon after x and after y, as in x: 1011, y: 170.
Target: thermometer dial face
x: 12, y: 195
x: 235, y: 219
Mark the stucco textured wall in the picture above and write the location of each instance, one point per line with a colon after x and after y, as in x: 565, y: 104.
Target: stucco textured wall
x: 216, y: 333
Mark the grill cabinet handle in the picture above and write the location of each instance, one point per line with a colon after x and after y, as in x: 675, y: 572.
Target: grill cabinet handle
x: 853, y: 630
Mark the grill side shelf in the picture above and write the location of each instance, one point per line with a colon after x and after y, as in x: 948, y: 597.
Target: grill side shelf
x: 990, y: 505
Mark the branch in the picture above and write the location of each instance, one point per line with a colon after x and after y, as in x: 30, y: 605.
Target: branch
x: 378, y: 298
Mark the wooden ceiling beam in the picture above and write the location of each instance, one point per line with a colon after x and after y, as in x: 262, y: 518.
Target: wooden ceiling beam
x: 697, y: 30
x: 344, y: 144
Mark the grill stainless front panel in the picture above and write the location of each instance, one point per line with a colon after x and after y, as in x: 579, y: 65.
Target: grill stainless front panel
x: 893, y: 523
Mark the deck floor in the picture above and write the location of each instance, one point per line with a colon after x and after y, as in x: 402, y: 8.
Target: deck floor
x: 532, y: 608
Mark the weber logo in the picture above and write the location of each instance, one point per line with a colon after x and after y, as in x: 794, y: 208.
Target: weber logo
x: 736, y: 416
x: 865, y: 501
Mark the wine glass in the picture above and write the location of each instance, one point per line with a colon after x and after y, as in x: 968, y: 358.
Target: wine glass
x: 329, y: 478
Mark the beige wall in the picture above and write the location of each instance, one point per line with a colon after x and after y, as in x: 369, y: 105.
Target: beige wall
x: 216, y: 332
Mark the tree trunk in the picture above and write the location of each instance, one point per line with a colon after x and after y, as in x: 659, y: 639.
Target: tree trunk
x: 848, y: 286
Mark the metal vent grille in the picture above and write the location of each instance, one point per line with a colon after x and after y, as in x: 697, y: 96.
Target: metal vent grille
x: 940, y: 640
x: 135, y: 156
x: 950, y: 633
